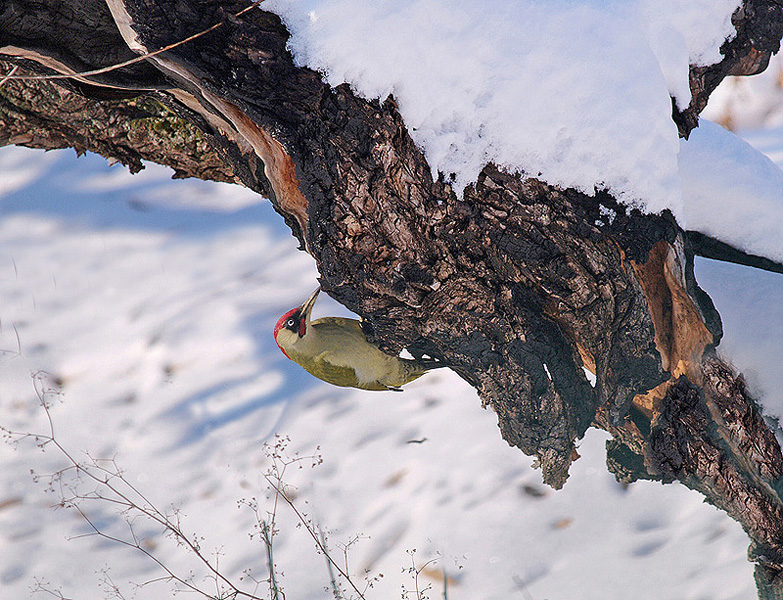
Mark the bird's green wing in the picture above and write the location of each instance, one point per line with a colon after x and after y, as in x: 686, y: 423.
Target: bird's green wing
x: 342, y: 325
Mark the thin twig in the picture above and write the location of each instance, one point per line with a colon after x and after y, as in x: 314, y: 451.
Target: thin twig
x: 18, y: 351
x: 130, y: 500
x: 332, y: 579
x: 274, y: 590
x: 2, y: 81
x: 445, y: 584
x: 420, y: 593
x: 147, y: 553
x: 522, y: 587
x: 112, y: 487
x: 309, y: 529
x: 126, y: 63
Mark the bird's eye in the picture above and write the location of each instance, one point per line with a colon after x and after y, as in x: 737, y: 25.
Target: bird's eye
x: 290, y: 322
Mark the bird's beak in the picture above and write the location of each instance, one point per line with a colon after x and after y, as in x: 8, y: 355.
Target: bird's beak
x: 307, y: 307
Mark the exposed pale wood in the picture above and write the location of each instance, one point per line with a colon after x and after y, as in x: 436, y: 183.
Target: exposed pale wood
x: 681, y: 335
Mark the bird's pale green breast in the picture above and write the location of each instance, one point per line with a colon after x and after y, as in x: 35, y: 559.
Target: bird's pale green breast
x: 331, y: 348
x: 341, y: 376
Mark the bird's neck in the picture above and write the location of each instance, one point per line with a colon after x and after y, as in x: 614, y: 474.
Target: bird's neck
x: 296, y: 347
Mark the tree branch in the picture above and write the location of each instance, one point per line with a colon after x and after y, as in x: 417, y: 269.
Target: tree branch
x: 517, y: 285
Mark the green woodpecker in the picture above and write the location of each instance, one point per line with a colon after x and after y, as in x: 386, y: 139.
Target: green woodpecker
x: 336, y: 350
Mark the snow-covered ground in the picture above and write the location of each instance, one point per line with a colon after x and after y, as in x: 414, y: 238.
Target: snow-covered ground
x: 151, y: 303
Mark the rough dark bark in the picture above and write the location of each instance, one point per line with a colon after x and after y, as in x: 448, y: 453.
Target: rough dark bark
x: 49, y: 116
x: 713, y: 439
x: 517, y: 285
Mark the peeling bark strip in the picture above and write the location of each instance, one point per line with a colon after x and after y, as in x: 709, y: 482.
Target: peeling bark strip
x: 517, y: 286
x: 278, y: 166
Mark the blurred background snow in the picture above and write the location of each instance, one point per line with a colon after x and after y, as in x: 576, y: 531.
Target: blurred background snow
x: 149, y: 304
x: 153, y: 318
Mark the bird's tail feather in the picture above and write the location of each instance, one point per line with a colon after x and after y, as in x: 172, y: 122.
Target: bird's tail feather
x: 430, y: 363
x: 419, y: 366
